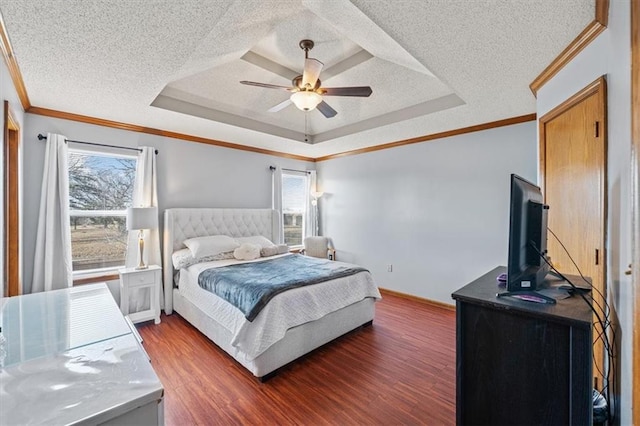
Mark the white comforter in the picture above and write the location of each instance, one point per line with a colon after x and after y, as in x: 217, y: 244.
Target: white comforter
x: 286, y: 310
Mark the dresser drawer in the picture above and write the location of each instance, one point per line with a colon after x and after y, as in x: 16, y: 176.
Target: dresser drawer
x: 141, y: 278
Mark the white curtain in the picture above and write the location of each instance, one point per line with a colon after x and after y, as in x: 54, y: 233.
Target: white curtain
x: 312, y: 211
x: 52, y: 266
x: 276, y: 202
x: 145, y: 194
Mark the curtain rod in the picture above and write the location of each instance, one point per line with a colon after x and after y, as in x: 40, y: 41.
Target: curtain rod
x: 272, y: 168
x: 42, y: 137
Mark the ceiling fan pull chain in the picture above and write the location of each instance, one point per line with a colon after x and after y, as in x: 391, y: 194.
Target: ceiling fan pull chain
x: 306, y: 130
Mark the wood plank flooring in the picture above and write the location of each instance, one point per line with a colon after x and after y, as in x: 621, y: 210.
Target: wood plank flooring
x: 401, y: 370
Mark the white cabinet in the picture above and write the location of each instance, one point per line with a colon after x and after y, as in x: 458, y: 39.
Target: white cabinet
x: 133, y: 281
x: 69, y: 357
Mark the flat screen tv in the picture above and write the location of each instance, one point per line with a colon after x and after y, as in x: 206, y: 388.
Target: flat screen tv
x: 526, y: 267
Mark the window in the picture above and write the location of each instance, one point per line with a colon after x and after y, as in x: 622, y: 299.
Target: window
x: 100, y: 190
x: 294, y: 207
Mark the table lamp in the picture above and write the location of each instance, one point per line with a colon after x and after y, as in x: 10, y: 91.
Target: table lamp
x: 141, y: 218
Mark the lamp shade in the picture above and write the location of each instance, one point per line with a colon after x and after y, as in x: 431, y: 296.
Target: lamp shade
x: 142, y: 218
x: 317, y: 194
x: 306, y: 100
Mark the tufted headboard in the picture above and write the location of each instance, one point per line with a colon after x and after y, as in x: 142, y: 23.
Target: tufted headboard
x: 180, y: 224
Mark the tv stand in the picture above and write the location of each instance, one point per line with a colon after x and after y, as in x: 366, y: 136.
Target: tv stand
x: 528, y: 296
x: 521, y: 363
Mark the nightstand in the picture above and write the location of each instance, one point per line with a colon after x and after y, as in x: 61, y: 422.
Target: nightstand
x: 138, y: 279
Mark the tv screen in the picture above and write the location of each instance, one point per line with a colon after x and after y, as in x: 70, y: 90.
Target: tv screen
x: 526, y: 269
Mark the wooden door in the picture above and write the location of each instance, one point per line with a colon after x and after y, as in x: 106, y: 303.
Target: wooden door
x: 12, y: 285
x: 573, y: 149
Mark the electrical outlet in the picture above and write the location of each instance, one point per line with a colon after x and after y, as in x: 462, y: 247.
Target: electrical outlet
x: 389, y: 268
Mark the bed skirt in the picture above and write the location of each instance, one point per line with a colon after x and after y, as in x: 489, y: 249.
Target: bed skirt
x: 297, y: 341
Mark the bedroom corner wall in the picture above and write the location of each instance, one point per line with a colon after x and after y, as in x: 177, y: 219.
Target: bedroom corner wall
x: 190, y: 174
x: 8, y: 92
x: 610, y: 55
x: 438, y: 211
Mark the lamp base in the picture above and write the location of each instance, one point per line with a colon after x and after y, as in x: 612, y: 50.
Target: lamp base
x: 141, y: 265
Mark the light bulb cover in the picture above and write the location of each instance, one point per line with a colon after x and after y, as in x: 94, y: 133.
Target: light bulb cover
x: 306, y: 100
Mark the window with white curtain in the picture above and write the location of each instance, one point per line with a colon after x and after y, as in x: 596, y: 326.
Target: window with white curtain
x: 295, y: 196
x: 100, y: 191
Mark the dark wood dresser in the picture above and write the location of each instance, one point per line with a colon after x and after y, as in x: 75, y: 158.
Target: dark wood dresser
x: 521, y: 362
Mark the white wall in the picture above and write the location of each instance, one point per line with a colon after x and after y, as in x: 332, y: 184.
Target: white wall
x: 190, y: 174
x: 7, y: 93
x: 610, y: 55
x: 437, y: 211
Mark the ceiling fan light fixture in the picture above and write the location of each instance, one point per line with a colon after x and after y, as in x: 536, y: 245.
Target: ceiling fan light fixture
x: 306, y: 100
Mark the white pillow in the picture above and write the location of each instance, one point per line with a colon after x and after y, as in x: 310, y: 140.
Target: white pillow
x: 184, y: 258
x: 247, y: 251
x: 272, y: 251
x: 259, y: 240
x: 210, y: 246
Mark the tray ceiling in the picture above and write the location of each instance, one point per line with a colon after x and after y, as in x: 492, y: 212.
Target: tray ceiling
x: 176, y: 65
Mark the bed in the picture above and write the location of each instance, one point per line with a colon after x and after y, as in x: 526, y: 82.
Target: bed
x: 348, y: 303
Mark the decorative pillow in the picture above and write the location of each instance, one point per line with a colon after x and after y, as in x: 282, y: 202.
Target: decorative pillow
x: 272, y: 251
x: 259, y: 240
x: 184, y: 258
x: 247, y: 251
x: 210, y: 246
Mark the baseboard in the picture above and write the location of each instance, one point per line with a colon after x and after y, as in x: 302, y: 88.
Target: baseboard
x: 418, y: 299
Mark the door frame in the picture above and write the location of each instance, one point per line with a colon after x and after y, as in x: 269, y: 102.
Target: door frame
x: 598, y: 85
x: 11, y: 204
x: 596, y: 88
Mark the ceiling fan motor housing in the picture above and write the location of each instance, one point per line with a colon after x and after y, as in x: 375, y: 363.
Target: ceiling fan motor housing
x: 297, y: 82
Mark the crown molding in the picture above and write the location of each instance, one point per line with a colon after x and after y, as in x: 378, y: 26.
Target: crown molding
x: 165, y: 133
x: 141, y: 129
x: 593, y: 30
x: 12, y: 65
x: 425, y: 138
x: 602, y: 12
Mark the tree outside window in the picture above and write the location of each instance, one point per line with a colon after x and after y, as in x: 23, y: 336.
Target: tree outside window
x: 100, y: 191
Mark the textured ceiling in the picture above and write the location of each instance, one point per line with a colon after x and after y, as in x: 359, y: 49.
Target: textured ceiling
x: 175, y: 65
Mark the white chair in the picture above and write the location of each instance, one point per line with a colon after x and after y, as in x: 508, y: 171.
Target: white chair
x: 318, y: 247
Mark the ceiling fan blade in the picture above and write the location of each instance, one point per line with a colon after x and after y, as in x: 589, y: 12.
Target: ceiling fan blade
x: 282, y: 105
x: 269, y: 65
x: 361, y: 91
x: 268, y: 86
x: 312, y: 68
x: 326, y: 110
x: 346, y: 64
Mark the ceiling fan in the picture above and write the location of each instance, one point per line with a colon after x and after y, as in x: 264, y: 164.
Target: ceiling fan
x: 307, y: 91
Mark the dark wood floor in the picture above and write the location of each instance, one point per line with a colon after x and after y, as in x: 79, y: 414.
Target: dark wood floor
x: 401, y: 370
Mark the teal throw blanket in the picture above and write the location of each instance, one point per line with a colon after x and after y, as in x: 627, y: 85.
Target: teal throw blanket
x: 250, y: 286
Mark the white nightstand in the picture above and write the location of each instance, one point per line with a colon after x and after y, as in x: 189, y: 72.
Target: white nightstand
x: 131, y: 279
